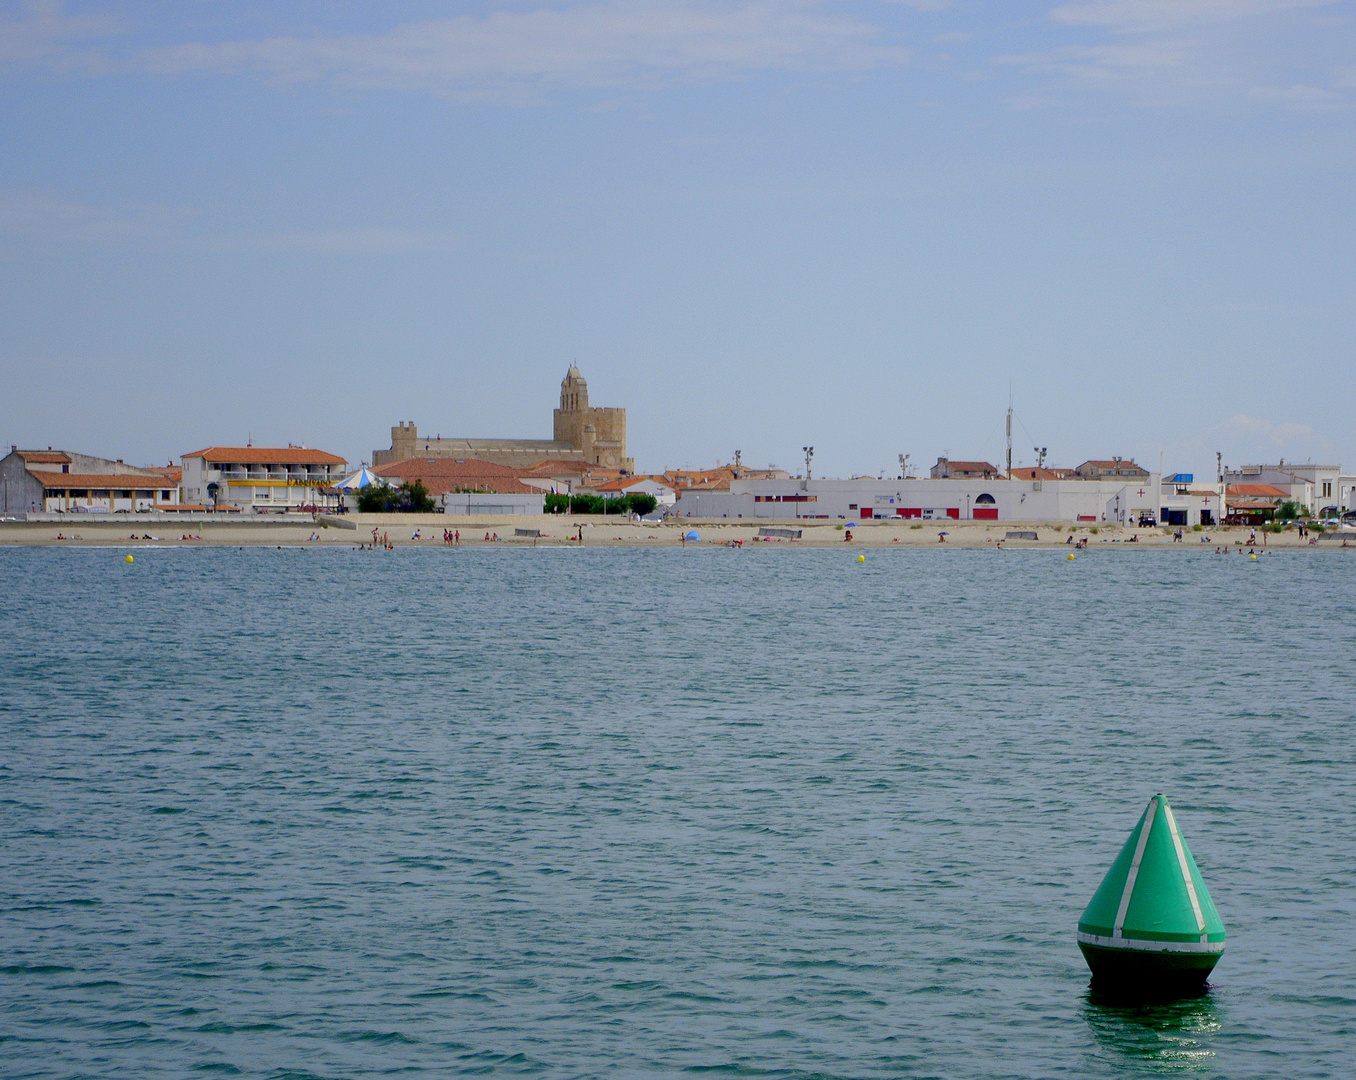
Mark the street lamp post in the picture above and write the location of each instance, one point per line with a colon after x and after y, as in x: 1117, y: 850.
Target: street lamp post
x: 805, y: 485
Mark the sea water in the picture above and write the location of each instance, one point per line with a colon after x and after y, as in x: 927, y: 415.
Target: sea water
x: 650, y: 813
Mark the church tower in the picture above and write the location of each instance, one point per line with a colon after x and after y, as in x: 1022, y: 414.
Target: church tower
x: 599, y: 434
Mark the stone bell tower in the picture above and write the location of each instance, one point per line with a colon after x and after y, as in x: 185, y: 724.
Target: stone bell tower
x: 598, y: 434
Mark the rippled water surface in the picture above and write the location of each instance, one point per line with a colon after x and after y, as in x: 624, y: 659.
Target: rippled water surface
x: 570, y: 813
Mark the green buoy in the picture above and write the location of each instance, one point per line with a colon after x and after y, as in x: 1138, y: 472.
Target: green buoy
x: 1151, y: 926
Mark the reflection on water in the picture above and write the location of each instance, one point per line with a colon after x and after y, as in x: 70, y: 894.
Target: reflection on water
x: 1175, y: 1034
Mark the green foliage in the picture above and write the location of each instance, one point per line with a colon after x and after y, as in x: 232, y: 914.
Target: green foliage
x: 632, y: 503
x: 1197, y: 527
x: 406, y: 499
x: 919, y: 525
x: 1094, y: 529
x: 1274, y: 527
x: 1290, y: 510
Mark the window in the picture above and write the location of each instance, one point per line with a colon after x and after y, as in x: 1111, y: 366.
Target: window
x: 1327, y: 490
x: 164, y: 496
x: 984, y: 500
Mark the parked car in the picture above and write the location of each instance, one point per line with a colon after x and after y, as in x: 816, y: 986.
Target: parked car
x: 1147, y: 521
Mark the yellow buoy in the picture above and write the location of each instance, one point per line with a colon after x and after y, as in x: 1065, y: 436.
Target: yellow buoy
x: 1253, y: 555
x: 1071, y: 556
x: 129, y: 559
x: 861, y: 558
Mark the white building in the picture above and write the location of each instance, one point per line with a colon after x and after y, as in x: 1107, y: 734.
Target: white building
x: 1318, y: 487
x: 260, y: 478
x: 664, y: 494
x: 959, y: 500
x: 492, y: 502
x: 64, y: 481
x: 1183, y: 502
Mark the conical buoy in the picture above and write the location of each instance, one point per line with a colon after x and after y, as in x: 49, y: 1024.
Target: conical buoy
x: 1151, y: 926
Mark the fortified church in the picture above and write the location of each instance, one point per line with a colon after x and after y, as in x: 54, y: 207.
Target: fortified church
x: 584, y: 434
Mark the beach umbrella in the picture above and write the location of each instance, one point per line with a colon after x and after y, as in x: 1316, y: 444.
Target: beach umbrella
x: 1151, y: 925
x: 363, y: 478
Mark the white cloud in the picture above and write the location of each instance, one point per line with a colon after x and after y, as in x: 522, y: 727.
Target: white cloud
x: 367, y: 240
x: 1274, y: 435
x: 41, y: 215
x: 1170, y: 51
x: 1298, y: 96
x: 45, y: 32
x: 1156, y: 16
x: 607, y: 44
x: 1108, y: 63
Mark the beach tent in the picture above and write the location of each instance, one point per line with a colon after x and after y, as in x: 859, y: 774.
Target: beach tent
x: 693, y: 535
x: 363, y: 478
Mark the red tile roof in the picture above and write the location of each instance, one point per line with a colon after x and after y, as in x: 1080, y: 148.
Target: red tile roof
x: 44, y: 457
x: 441, y: 475
x: 99, y: 481
x: 1031, y: 472
x: 624, y: 482
x: 1259, y: 491
x: 266, y: 455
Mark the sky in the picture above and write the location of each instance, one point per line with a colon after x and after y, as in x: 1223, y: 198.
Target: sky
x: 861, y: 225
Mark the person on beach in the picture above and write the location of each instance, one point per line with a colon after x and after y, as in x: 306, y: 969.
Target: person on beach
x: 847, y: 535
x: 456, y: 537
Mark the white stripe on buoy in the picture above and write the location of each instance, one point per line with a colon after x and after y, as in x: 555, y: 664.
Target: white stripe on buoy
x: 1152, y: 946
x: 1186, y: 870
x: 1129, y: 889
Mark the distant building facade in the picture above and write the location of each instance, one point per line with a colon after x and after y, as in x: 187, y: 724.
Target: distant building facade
x: 946, y: 469
x: 1112, y: 469
x: 260, y: 478
x: 64, y: 481
x: 581, y: 433
x: 975, y: 499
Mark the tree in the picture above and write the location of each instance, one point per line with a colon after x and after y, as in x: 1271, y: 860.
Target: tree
x: 408, y: 498
x: 1290, y: 510
x: 632, y: 503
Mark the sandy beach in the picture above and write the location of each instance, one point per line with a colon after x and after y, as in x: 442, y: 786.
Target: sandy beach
x: 564, y: 530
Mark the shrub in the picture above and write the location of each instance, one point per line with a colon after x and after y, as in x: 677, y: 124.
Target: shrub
x: 1197, y: 527
x: 634, y: 502
x: 917, y: 525
x: 1290, y: 510
x: 1094, y: 529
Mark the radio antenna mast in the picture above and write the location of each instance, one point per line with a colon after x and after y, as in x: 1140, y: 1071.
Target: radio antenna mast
x: 1009, y: 474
